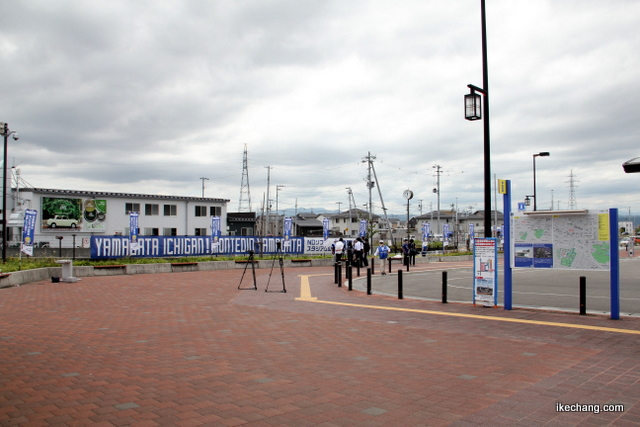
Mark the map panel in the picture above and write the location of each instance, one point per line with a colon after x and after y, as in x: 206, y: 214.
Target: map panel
x: 569, y: 241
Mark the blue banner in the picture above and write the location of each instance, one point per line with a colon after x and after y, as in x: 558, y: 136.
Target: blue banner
x: 105, y: 247
x: 288, y: 224
x: 426, y: 231
x: 215, y: 229
x: 133, y: 230
x: 325, y: 228
x: 363, y: 228
x: 28, y: 231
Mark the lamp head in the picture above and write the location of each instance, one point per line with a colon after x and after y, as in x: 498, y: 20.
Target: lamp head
x: 543, y: 154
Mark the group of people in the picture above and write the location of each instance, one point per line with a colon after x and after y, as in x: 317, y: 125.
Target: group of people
x: 356, y: 252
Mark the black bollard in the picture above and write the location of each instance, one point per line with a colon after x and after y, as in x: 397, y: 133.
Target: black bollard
x: 350, y: 274
x: 400, y: 296
x: 335, y: 273
x: 583, y: 295
x: 358, y: 269
x: 444, y: 287
x: 373, y: 265
x: 339, y: 275
x: 368, y: 281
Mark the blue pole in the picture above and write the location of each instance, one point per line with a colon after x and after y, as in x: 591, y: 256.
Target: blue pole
x: 508, y: 273
x: 614, y: 266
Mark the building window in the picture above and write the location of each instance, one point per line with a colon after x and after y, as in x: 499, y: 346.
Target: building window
x: 131, y: 207
x: 151, y: 231
x: 170, y: 210
x: 201, y: 211
x: 201, y: 231
x: 169, y: 231
x: 215, y: 211
x: 150, y: 209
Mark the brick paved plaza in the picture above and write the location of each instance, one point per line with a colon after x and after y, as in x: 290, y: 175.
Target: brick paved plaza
x: 190, y: 349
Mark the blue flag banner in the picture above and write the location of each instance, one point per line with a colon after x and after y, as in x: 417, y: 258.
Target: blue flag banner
x: 325, y: 228
x: 215, y: 229
x: 288, y: 225
x: 426, y: 231
x: 28, y: 231
x: 133, y: 231
x: 363, y: 228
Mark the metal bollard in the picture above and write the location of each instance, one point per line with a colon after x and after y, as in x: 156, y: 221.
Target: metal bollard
x: 400, y: 296
x: 350, y: 274
x: 368, y: 281
x: 444, y: 287
x: 583, y: 295
x: 358, y: 269
x: 339, y: 275
x: 335, y: 273
x: 373, y: 265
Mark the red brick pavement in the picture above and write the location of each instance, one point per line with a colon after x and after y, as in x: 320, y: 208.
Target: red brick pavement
x: 191, y: 349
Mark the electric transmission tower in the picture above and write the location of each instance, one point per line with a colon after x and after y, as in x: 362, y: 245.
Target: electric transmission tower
x: 244, y: 202
x: 572, y: 192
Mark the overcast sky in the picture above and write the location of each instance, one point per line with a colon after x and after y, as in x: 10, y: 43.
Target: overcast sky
x: 150, y: 96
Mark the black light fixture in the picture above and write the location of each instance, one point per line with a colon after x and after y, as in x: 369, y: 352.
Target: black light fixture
x: 632, y: 166
x: 472, y: 106
x: 535, y: 199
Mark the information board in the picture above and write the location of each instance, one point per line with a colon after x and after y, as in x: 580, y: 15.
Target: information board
x: 485, y: 271
x: 574, y: 241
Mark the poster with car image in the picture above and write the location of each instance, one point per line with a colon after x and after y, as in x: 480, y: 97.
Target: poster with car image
x: 73, y: 214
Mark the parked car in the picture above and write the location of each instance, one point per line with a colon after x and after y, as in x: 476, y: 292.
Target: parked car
x: 61, y: 221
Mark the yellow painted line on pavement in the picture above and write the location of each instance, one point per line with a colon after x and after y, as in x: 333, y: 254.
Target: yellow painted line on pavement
x: 305, y: 295
x: 305, y: 288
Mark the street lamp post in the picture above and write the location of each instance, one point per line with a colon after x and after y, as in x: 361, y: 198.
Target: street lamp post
x: 4, y: 127
x: 535, y: 199
x: 473, y: 112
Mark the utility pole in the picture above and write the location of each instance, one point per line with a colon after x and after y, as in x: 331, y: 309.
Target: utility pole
x: 278, y: 187
x: 268, y: 206
x: 203, y: 180
x: 438, y: 169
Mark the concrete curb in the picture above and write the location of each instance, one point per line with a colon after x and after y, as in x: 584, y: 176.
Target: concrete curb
x: 17, y: 278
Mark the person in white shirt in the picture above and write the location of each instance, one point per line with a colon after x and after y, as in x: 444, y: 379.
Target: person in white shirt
x: 339, y: 249
x: 358, y: 247
x: 382, y: 252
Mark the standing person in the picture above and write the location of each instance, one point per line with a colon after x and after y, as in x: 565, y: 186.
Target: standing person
x: 358, y: 248
x: 339, y: 249
x: 349, y: 252
x: 382, y: 252
x: 406, y: 251
x: 367, y: 248
x: 412, y: 252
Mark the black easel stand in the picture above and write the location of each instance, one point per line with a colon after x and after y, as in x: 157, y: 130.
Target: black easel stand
x: 281, y: 262
x: 253, y: 270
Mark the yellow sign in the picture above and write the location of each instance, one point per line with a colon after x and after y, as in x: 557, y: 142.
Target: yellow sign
x: 603, y: 227
x: 502, y: 186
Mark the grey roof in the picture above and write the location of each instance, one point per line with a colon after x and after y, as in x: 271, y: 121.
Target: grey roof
x: 123, y: 195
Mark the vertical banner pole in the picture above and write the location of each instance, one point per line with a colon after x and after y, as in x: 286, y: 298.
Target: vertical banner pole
x: 508, y: 272
x: 614, y: 267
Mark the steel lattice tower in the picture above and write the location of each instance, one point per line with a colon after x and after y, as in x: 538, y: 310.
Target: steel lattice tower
x: 244, y: 202
x: 572, y: 191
